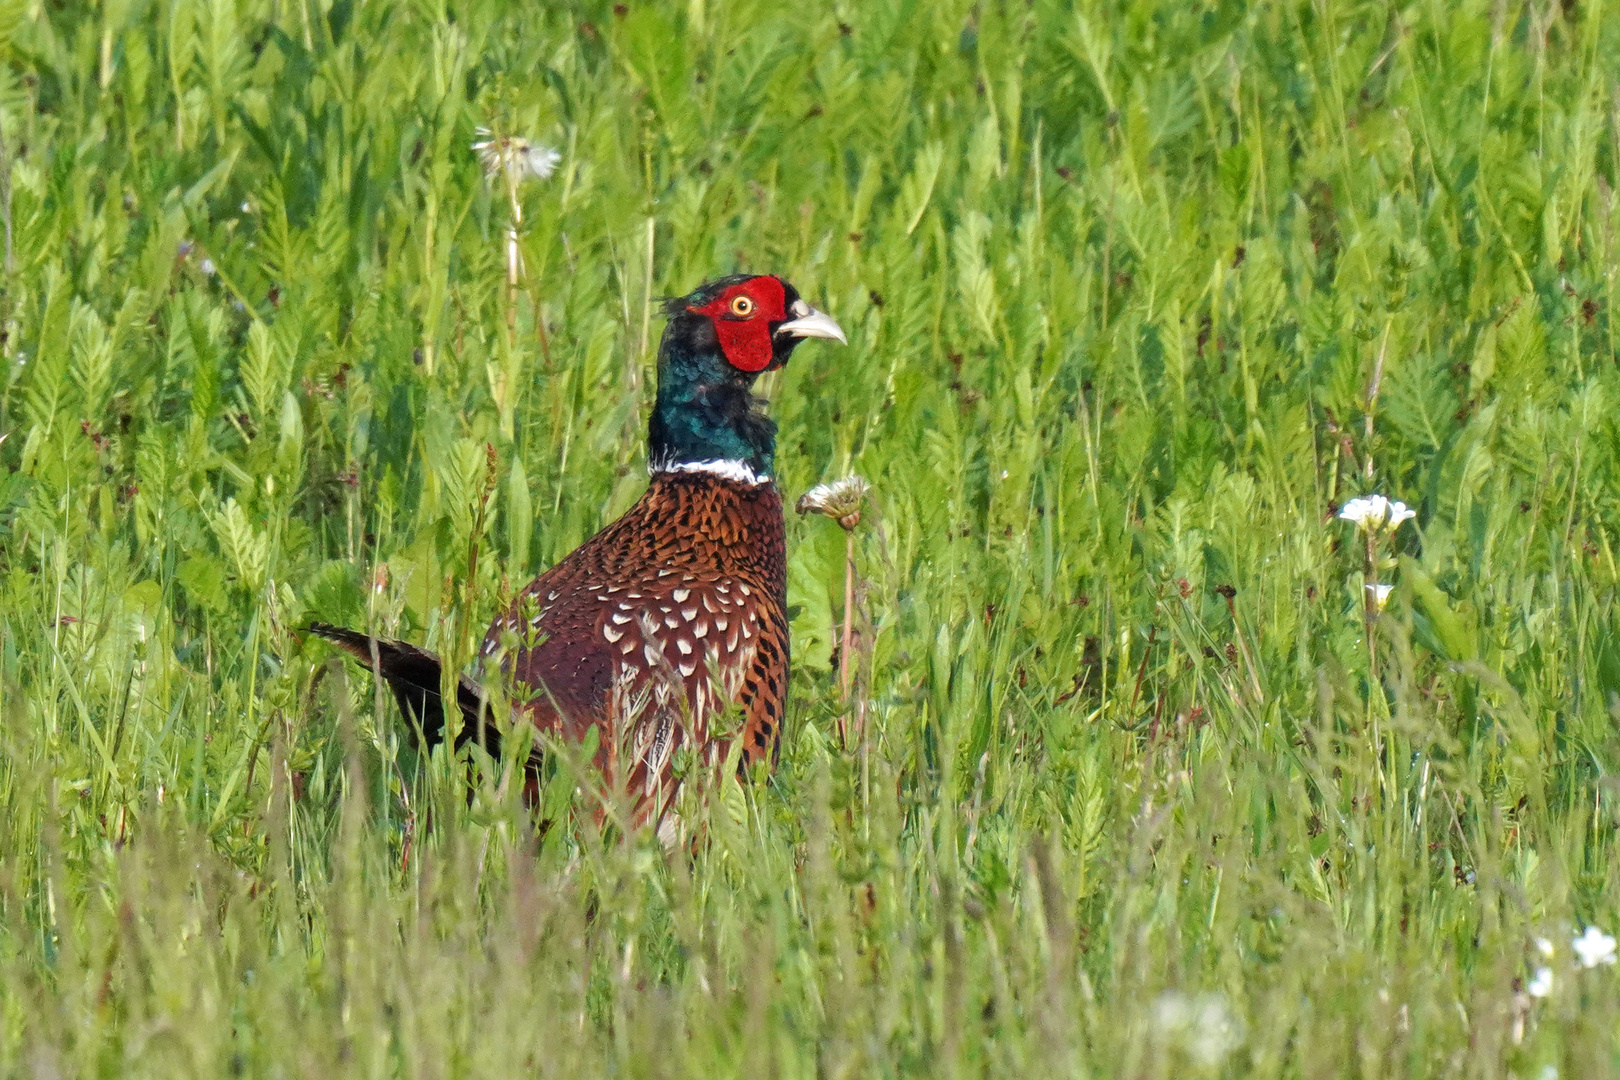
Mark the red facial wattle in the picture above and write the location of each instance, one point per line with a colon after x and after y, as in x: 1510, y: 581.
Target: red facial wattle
x: 742, y: 317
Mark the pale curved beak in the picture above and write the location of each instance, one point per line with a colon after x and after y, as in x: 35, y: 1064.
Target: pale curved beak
x: 808, y: 322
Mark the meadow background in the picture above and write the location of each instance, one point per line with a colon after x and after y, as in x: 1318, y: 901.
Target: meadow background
x: 1138, y: 293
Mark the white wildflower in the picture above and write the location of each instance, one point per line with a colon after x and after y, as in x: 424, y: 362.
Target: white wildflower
x: 1594, y: 947
x: 1541, y: 983
x: 1375, y: 513
x: 1544, y: 947
x: 1379, y: 594
x: 207, y: 267
x: 839, y: 499
x: 514, y: 155
x: 1203, y: 1026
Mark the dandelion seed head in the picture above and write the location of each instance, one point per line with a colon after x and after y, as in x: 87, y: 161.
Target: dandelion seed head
x: 840, y: 500
x: 515, y: 156
x: 542, y: 161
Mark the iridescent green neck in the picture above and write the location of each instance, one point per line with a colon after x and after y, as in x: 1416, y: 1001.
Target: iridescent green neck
x: 706, y: 411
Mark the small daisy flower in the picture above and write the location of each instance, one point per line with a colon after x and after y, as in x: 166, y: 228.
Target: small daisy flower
x: 514, y: 155
x: 840, y: 500
x: 1375, y: 513
x: 1594, y: 947
x: 1379, y: 594
x: 1540, y: 984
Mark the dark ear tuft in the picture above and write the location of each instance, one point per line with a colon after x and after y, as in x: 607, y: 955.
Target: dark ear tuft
x: 704, y: 293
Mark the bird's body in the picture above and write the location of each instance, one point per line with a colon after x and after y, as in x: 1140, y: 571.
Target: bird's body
x: 674, y: 613
x: 650, y: 627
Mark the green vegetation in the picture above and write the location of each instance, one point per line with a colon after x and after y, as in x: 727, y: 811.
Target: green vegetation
x: 1136, y: 297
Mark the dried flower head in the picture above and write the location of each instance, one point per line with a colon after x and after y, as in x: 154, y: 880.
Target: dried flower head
x: 515, y: 156
x: 1375, y: 513
x: 840, y: 500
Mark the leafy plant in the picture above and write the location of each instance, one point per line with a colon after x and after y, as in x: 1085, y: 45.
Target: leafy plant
x: 1139, y: 294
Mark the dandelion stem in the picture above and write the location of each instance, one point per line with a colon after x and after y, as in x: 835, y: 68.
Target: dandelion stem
x: 513, y: 260
x: 841, y: 500
x: 846, y: 643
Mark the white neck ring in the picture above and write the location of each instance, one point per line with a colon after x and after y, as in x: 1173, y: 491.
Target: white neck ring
x: 738, y: 472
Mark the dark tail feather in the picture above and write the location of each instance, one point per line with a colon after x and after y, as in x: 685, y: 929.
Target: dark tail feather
x: 413, y: 675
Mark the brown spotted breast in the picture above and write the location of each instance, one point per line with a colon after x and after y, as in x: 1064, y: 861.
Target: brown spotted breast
x: 654, y: 626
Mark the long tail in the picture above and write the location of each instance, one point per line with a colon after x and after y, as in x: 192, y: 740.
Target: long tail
x: 413, y: 675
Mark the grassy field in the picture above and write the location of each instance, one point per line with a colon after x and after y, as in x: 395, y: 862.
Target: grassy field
x: 1137, y: 297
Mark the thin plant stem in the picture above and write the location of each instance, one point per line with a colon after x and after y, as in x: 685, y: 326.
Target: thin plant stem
x: 5, y: 207
x: 1375, y: 383
x: 513, y: 257
x: 1369, y: 600
x: 645, y: 336
x: 847, y: 642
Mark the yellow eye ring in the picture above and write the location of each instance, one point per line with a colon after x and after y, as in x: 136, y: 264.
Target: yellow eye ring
x: 742, y: 306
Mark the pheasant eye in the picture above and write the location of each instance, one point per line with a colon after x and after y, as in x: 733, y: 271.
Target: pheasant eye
x: 742, y: 306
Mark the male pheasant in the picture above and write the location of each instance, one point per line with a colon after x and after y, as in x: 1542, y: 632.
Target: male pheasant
x: 676, y: 610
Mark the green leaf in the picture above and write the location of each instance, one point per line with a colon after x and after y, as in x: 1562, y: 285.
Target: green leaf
x: 204, y: 582
x: 1438, y: 625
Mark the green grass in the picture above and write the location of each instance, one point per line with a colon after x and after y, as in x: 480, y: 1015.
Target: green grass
x: 1135, y: 298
